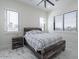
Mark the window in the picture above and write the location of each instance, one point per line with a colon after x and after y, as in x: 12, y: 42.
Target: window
x: 59, y: 22
x: 70, y: 21
x: 50, y: 24
x: 11, y: 21
x: 42, y: 23
x: 66, y: 22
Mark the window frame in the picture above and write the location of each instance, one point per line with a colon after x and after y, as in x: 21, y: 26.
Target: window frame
x: 76, y: 11
x: 6, y: 28
x: 61, y: 29
x: 75, y: 20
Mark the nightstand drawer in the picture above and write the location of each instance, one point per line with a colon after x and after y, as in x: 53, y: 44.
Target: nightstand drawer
x: 17, y: 39
x: 17, y: 44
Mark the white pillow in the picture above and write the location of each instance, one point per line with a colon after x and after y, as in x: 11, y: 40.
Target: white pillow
x: 34, y: 32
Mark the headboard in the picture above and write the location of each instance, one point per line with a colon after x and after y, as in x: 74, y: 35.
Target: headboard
x: 29, y: 29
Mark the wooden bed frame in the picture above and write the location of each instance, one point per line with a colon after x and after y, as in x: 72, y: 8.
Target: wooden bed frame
x: 48, y: 52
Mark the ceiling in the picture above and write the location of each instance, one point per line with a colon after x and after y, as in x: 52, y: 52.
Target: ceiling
x: 58, y: 3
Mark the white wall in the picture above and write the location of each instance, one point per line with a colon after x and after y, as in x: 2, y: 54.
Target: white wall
x: 28, y: 17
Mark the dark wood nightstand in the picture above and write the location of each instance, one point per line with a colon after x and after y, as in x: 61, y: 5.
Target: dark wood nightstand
x: 17, y: 42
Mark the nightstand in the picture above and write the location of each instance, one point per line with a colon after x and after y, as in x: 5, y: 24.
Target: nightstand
x: 17, y: 42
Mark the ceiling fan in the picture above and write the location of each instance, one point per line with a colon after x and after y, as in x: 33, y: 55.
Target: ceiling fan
x: 45, y: 1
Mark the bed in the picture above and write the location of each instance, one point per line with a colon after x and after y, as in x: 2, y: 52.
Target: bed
x: 46, y: 52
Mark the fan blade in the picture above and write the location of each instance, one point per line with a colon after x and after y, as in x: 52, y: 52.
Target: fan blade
x: 40, y: 2
x: 45, y: 3
x: 50, y: 2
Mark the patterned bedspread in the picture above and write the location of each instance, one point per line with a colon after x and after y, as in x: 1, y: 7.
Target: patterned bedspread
x: 40, y: 40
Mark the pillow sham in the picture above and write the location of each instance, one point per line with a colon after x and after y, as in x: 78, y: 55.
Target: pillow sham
x: 34, y: 32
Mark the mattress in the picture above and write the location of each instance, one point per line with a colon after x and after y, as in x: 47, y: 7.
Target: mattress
x: 40, y: 40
